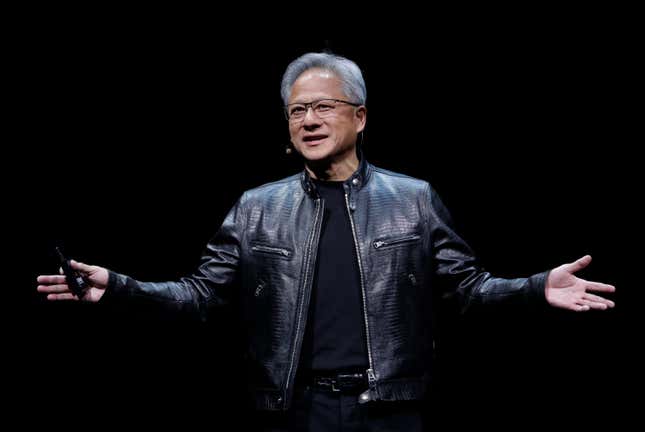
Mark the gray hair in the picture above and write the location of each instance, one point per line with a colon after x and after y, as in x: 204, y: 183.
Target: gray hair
x: 347, y: 71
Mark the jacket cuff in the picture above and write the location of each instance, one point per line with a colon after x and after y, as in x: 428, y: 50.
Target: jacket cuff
x: 116, y: 287
x: 537, y: 289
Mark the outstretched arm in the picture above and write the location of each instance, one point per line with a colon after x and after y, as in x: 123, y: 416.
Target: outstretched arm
x: 456, y: 262
x: 211, y: 284
x: 567, y: 291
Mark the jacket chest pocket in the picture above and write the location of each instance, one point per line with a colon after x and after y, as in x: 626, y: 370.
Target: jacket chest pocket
x: 270, y: 264
x: 271, y: 252
x: 397, y: 241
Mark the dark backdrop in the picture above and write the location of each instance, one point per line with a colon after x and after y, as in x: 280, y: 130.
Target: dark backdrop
x: 139, y: 141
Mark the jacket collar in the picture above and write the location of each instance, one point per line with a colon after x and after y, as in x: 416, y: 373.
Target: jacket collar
x: 354, y: 183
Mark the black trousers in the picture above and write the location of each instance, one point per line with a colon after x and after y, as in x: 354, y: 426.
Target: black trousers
x: 316, y: 410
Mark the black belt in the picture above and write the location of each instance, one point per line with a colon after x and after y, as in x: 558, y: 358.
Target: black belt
x: 339, y: 383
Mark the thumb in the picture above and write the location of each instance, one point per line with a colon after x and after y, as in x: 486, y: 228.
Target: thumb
x: 579, y: 264
x: 80, y: 266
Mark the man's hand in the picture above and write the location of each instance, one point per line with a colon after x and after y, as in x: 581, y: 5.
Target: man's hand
x: 567, y: 291
x: 56, y: 288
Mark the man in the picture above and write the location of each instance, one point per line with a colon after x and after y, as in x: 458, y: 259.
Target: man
x: 336, y: 268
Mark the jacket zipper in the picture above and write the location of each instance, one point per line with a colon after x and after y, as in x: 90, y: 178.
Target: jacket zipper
x: 259, y: 288
x: 272, y: 250
x: 315, y: 232
x: 371, y: 377
x: 384, y: 243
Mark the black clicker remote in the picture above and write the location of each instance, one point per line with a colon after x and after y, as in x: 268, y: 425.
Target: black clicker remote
x: 75, y: 281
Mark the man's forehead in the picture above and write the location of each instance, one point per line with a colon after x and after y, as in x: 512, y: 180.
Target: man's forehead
x: 317, y: 82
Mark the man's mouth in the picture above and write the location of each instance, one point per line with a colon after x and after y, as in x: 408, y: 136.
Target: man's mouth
x: 314, y: 139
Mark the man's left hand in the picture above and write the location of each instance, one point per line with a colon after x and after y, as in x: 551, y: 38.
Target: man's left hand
x: 567, y: 291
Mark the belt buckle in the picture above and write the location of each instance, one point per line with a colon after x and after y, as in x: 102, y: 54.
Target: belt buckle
x: 333, y: 386
x: 328, y: 383
x: 346, y: 382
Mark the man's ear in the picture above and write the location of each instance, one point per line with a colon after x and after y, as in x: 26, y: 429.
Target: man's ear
x: 361, y: 117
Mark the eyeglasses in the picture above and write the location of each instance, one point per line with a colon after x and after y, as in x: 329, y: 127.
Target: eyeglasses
x: 296, y: 112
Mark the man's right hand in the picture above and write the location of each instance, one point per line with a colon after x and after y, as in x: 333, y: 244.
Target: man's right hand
x: 56, y: 288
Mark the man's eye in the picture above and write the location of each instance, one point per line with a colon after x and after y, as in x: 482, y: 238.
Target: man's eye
x: 324, y: 107
x: 297, y: 110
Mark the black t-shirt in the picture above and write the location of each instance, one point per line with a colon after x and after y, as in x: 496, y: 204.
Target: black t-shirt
x: 335, y: 334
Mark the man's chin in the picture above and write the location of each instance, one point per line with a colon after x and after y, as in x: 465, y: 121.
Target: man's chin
x: 315, y: 154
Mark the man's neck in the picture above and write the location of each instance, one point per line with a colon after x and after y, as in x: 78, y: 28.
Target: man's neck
x: 327, y: 170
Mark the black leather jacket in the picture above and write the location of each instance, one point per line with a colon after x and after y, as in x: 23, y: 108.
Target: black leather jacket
x: 266, y: 249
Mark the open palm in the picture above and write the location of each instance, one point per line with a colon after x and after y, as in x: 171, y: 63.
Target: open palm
x: 567, y: 291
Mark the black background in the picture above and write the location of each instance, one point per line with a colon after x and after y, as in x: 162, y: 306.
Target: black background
x: 140, y: 136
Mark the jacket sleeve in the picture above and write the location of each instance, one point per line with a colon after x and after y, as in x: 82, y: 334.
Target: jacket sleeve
x: 458, y: 272
x: 212, y: 282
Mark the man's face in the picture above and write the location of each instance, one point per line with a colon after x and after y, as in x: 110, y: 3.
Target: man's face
x: 332, y: 136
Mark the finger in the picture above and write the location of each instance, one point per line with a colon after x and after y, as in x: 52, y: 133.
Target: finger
x: 63, y: 296
x: 51, y: 279
x: 595, y: 305
x: 580, y: 307
x: 598, y: 299
x: 597, y: 286
x: 53, y: 288
x: 80, y: 266
x: 578, y: 264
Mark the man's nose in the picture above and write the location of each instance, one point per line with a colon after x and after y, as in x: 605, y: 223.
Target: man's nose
x: 311, y: 118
